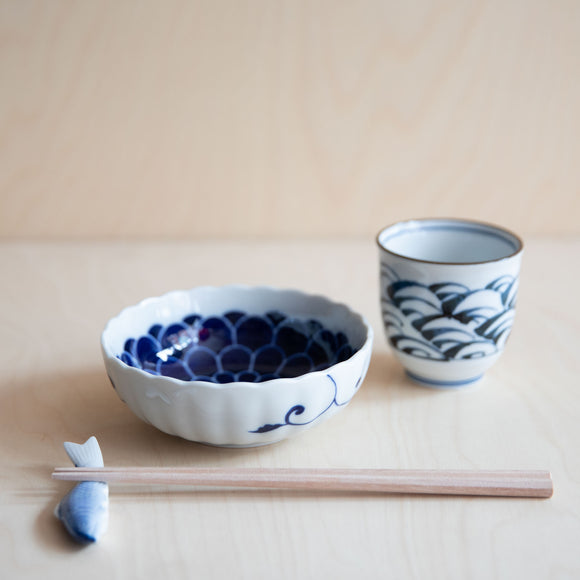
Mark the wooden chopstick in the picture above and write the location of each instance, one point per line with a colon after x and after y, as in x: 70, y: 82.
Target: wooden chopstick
x: 536, y: 484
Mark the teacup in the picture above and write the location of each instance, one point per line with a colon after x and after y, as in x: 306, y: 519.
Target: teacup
x: 448, y: 295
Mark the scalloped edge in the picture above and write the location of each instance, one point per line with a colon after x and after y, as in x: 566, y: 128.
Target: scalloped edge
x: 108, y: 354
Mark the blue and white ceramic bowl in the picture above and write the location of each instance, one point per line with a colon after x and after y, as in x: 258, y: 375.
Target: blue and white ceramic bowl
x: 448, y: 295
x: 236, y: 365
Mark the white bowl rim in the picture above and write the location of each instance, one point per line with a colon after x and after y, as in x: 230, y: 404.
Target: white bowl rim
x: 517, y: 239
x: 109, y: 355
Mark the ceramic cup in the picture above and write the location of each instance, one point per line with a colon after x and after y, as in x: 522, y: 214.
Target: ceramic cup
x: 448, y: 294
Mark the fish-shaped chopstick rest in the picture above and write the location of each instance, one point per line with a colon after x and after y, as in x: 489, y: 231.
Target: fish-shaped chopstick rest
x: 84, y: 510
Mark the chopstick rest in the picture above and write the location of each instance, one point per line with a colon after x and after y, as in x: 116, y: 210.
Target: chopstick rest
x: 84, y: 510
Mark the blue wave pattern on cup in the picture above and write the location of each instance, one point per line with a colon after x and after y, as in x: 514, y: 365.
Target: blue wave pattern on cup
x: 447, y: 321
x: 235, y: 347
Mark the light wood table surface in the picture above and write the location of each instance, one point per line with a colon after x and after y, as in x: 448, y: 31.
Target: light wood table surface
x: 57, y: 297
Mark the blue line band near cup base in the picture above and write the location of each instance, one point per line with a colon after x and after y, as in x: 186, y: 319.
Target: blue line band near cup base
x: 443, y: 384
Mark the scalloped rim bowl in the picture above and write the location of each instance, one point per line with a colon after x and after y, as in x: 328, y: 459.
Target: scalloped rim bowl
x: 236, y: 414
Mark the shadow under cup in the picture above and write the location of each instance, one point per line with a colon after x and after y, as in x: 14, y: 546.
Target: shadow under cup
x: 448, y: 294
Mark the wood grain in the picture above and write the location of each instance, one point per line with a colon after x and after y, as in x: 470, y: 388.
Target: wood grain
x: 256, y: 118
x: 409, y: 481
x: 56, y: 299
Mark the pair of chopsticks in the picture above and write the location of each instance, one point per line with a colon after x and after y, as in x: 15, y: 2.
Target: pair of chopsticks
x: 533, y: 484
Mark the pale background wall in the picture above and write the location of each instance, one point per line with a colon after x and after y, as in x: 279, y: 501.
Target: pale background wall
x: 264, y: 117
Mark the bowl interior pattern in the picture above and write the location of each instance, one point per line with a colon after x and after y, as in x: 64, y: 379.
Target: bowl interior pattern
x: 236, y: 346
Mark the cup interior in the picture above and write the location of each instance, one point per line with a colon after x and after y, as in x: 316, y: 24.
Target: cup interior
x: 449, y: 241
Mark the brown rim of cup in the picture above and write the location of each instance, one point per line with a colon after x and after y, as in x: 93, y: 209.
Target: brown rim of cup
x: 516, y: 238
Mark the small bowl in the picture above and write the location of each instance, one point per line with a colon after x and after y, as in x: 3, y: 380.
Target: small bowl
x: 236, y: 366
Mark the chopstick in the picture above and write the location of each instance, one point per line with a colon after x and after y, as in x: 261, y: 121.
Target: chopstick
x: 533, y: 484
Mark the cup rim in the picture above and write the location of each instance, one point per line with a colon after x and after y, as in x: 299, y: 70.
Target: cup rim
x: 499, y: 229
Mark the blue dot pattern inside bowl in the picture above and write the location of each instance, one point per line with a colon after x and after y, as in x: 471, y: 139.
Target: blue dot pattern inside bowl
x: 236, y: 346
